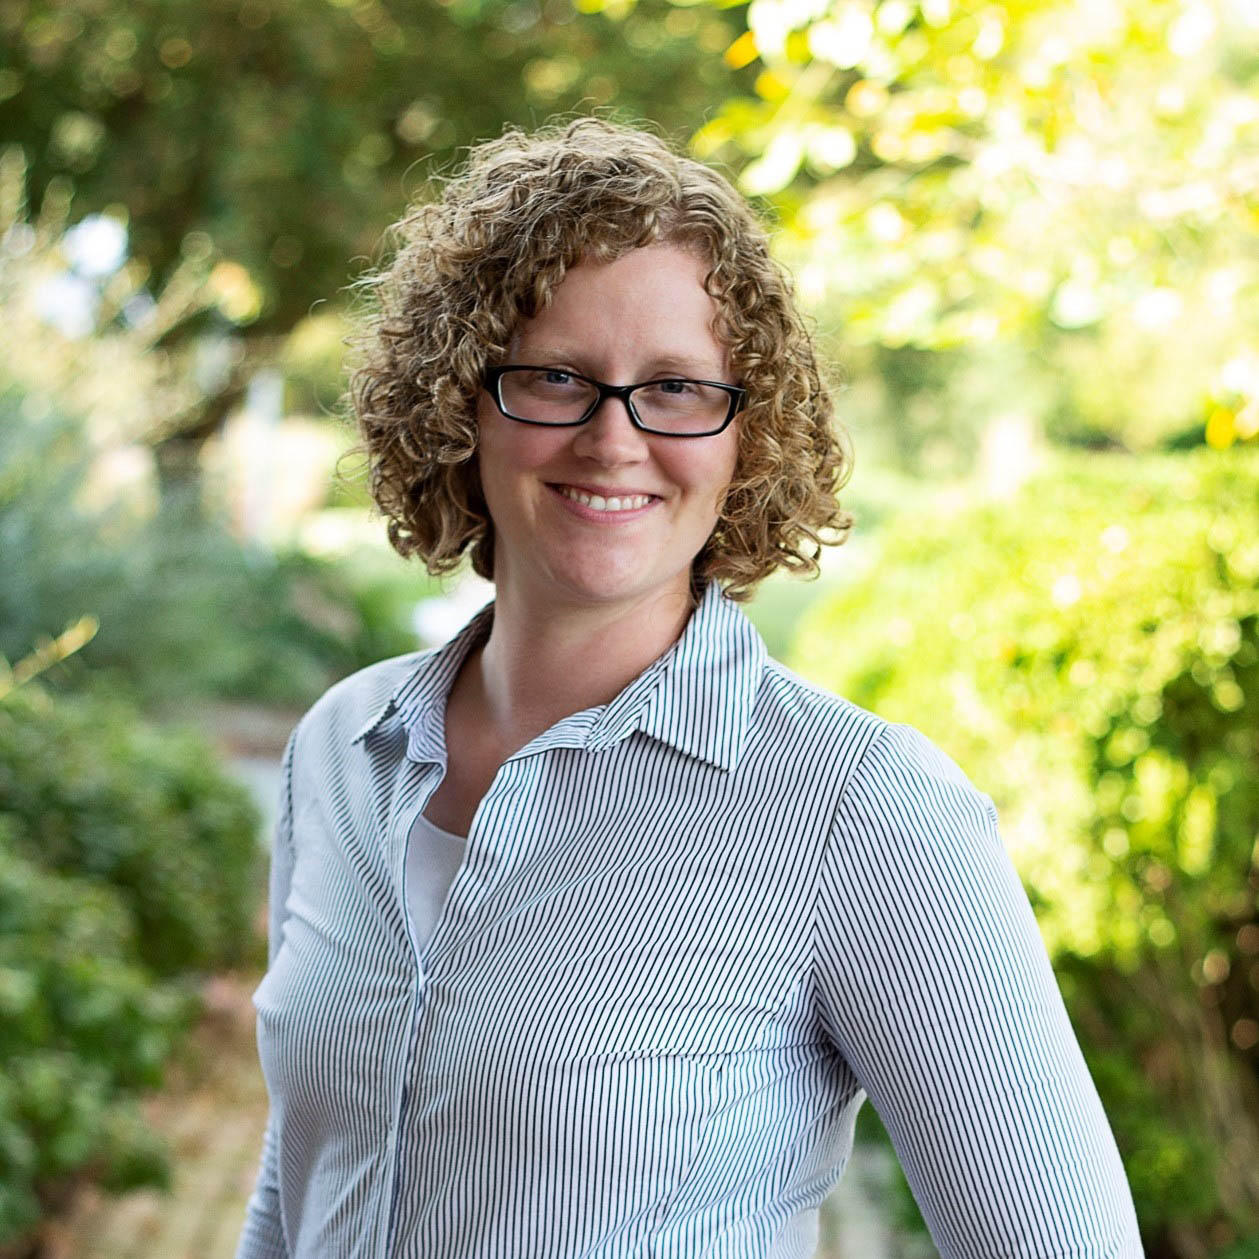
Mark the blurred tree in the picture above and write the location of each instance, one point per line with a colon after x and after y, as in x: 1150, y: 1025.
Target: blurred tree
x: 1070, y: 184
x: 1079, y: 173
x: 256, y: 149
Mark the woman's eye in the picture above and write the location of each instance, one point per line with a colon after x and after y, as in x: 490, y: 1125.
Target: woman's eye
x: 552, y: 380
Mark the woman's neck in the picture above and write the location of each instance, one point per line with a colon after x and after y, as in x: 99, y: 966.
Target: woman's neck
x: 542, y: 662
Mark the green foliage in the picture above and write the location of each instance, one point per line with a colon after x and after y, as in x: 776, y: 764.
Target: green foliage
x: 1045, y: 194
x: 369, y: 597
x: 957, y: 171
x: 183, y: 608
x: 89, y: 791
x: 194, y: 611
x: 1088, y: 651
x: 83, y: 1028
x: 263, y: 147
x: 129, y: 866
x: 48, y: 570
x: 256, y: 152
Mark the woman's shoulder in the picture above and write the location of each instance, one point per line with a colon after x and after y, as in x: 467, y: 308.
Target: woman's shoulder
x: 888, y: 758
x: 800, y: 711
x: 356, y: 701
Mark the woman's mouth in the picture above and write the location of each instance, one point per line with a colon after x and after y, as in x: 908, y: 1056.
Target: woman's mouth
x: 601, y: 503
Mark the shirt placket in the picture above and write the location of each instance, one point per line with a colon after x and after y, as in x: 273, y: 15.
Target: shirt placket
x: 488, y: 857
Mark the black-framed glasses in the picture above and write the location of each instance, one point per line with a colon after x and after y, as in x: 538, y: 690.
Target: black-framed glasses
x: 557, y: 398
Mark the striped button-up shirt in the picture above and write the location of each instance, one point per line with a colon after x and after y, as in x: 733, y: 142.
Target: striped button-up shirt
x: 694, y: 929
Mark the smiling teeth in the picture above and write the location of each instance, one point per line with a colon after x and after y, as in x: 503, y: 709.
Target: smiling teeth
x: 595, y: 501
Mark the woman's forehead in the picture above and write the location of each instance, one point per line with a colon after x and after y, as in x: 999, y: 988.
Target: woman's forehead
x: 651, y: 302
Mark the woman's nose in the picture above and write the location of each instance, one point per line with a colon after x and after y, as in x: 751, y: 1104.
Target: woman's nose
x: 609, y: 435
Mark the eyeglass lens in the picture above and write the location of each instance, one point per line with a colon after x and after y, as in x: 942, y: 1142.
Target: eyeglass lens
x: 671, y: 406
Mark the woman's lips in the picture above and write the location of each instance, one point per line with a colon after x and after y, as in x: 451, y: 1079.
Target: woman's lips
x: 606, y: 507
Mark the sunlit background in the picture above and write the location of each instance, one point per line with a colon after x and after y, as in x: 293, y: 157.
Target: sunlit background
x: 1027, y: 235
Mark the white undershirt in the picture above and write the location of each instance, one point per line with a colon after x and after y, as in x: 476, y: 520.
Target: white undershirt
x: 433, y: 859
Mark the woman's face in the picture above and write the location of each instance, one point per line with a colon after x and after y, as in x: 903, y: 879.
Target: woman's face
x: 642, y: 317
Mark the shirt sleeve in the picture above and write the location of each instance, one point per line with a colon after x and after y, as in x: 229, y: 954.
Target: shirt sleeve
x: 935, y: 986
x: 262, y: 1236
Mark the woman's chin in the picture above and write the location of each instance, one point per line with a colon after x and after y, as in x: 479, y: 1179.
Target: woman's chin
x: 603, y: 584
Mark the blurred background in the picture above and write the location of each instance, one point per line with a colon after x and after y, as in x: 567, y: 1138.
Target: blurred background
x: 1028, y: 236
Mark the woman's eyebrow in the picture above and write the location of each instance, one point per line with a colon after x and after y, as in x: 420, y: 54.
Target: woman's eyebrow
x: 687, y: 366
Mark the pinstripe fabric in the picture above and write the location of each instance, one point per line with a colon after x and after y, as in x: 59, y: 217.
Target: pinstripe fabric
x: 693, y: 930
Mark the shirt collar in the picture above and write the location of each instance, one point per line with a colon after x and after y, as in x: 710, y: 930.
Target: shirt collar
x: 420, y: 698
x: 697, y: 697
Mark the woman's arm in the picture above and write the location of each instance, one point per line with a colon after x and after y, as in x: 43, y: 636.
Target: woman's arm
x: 935, y: 985
x: 262, y: 1236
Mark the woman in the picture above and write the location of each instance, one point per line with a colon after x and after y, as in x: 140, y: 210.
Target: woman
x: 592, y: 930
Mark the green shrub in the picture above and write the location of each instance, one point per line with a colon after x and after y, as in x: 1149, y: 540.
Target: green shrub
x: 128, y: 866
x: 83, y: 1027
x: 90, y: 791
x: 1088, y: 651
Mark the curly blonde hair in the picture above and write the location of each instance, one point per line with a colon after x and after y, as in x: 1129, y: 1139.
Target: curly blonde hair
x: 487, y: 255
